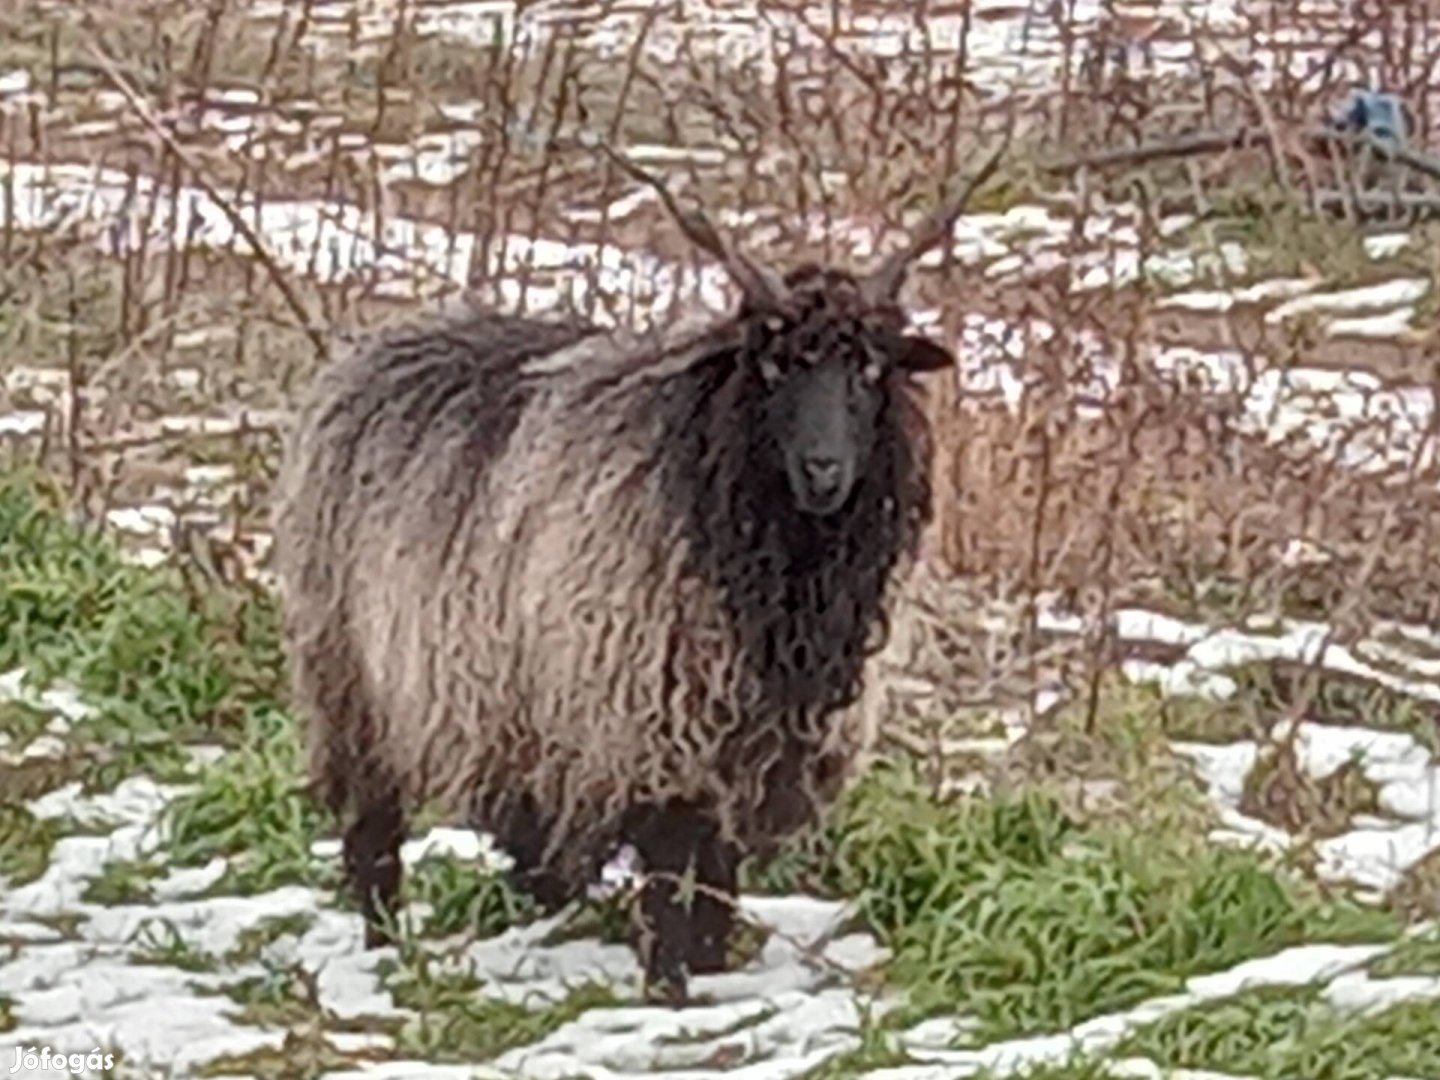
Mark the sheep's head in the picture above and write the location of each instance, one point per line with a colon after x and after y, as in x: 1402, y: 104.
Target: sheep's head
x: 825, y: 362
x: 826, y: 344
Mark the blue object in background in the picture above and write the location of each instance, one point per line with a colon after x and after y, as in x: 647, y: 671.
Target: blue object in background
x: 1380, y: 115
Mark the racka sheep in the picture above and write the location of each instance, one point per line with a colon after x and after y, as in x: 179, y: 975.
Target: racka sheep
x: 591, y: 589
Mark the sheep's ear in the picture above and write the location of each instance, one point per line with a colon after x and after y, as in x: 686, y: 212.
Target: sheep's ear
x: 920, y: 354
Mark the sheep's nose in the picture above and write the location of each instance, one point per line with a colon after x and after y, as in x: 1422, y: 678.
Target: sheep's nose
x: 823, y: 473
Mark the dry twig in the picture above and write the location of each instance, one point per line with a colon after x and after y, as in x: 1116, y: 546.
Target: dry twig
x: 235, y: 217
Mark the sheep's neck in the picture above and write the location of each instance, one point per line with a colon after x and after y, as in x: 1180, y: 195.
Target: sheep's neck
x: 804, y: 595
x: 805, y: 600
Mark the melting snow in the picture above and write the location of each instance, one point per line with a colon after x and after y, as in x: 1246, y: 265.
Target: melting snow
x: 1385, y: 295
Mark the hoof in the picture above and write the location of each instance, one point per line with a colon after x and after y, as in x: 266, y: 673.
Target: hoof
x: 671, y: 992
x: 548, y: 893
x: 710, y: 957
x: 378, y: 937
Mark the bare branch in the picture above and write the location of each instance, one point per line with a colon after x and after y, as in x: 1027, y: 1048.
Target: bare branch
x: 237, y: 219
x: 760, y: 286
x: 884, y: 282
x: 1211, y: 142
x: 1188, y: 145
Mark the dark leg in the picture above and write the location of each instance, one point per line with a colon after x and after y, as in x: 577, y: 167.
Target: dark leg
x: 348, y: 777
x: 713, y: 913
x: 524, y: 839
x: 549, y: 891
x: 684, y: 924
x: 372, y: 863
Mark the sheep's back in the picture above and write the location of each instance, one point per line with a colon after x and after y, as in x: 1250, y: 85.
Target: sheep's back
x: 542, y: 650
x: 391, y: 450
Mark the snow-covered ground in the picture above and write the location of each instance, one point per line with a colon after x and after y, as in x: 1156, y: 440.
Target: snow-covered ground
x: 73, y: 974
x: 144, y: 980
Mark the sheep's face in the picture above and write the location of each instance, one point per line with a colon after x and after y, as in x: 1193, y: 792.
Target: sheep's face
x: 828, y: 370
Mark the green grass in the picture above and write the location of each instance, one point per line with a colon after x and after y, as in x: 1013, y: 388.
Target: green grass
x: 303, y: 1055
x: 25, y: 843
x: 1077, y: 1067
x: 251, y: 807
x: 1283, y: 238
x: 32, y: 777
x: 159, y: 942
x: 465, y: 898
x: 123, y: 881
x: 1418, y: 955
x: 286, y: 995
x: 21, y: 722
x: 1206, y: 720
x: 1030, y: 913
x: 879, y: 1048
x: 66, y: 923
x: 1007, y: 909
x: 145, y: 646
x: 280, y: 996
x: 1270, y: 690
x: 609, y: 920
x: 458, y: 1023
x: 1284, y: 1032
x: 7, y: 1013
x: 164, y: 661
x: 251, y: 942
x: 1284, y: 241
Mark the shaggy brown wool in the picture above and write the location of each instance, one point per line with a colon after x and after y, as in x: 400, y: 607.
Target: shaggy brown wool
x: 551, y: 575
